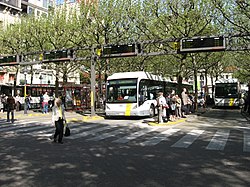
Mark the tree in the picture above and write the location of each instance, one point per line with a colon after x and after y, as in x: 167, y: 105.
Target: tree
x: 236, y: 16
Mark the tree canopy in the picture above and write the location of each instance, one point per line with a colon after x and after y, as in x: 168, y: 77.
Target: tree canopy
x: 126, y: 21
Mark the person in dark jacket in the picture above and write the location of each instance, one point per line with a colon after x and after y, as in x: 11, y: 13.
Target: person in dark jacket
x: 10, y: 105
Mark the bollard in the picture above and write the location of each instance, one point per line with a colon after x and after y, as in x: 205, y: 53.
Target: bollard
x: 160, y: 119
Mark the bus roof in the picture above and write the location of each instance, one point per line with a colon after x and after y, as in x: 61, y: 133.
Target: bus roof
x: 137, y: 74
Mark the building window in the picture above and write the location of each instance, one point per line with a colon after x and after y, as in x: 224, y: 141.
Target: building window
x: 31, y: 10
x: 11, y: 77
x: 45, y: 3
x: 2, y: 77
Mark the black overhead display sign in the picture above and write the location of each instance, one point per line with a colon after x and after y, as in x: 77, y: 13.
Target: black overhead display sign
x: 120, y: 50
x: 56, y: 56
x: 51, y: 55
x: 9, y: 60
x: 203, y: 44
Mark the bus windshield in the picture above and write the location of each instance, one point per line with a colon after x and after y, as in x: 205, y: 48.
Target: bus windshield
x: 122, y: 90
x: 226, y: 90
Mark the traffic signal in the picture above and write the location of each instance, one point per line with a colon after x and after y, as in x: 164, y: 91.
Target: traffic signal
x: 202, y: 44
x: 41, y: 57
x: 9, y: 60
x: 99, y: 52
x: 176, y: 45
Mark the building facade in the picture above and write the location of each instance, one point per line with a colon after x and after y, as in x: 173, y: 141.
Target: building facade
x: 10, y: 13
x: 10, y: 10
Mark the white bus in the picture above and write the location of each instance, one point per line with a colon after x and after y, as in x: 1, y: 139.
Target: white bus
x: 227, y: 93
x: 135, y: 93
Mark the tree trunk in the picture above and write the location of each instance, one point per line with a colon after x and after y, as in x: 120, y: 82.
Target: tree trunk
x: 14, y: 87
x: 65, y: 78
x: 212, y: 82
x: 57, y: 82
x: 179, y: 81
x: 99, y: 94
x: 195, y: 89
x: 31, y: 77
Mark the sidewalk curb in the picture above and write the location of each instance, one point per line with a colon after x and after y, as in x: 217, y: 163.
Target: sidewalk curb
x: 78, y: 118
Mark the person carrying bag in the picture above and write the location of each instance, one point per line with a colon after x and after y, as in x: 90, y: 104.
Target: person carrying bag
x: 58, y: 119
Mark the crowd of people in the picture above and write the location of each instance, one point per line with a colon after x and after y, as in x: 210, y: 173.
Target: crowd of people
x: 173, y: 106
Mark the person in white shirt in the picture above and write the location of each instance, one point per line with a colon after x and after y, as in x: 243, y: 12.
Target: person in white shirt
x: 45, y: 103
x: 162, y: 104
x: 18, y: 99
x: 58, y: 118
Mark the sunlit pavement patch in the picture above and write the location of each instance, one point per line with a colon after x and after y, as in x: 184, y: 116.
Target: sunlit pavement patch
x: 73, y: 120
x: 86, y: 118
x: 167, y: 123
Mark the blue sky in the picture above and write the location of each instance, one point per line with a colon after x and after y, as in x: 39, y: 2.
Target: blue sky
x: 59, y: 2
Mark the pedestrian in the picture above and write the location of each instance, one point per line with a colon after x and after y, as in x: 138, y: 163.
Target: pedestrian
x: 178, y: 106
x: 63, y: 100
x: 4, y: 101
x: 172, y: 106
x: 46, y: 99
x: 58, y: 119
x: 184, y: 99
x: 18, y: 99
x: 27, y: 101
x: 10, y: 106
x: 162, y: 106
x: 168, y: 109
x: 1, y: 103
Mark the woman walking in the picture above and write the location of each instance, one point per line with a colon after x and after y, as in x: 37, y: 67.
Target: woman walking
x: 58, y: 118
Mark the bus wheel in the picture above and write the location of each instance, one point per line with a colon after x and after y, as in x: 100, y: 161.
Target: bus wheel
x: 152, y: 111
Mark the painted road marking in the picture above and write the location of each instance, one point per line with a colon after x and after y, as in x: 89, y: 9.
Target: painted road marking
x: 73, y: 132
x: 246, y: 146
x: 161, y: 137
x: 107, y: 135
x: 188, y: 139
x: 219, y: 140
x: 133, y: 136
x: 90, y: 132
x: 16, y: 126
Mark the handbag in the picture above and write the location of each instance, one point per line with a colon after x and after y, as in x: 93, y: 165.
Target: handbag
x: 67, y: 129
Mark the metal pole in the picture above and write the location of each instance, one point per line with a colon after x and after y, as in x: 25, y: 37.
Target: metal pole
x: 25, y: 86
x: 92, y: 83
